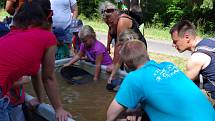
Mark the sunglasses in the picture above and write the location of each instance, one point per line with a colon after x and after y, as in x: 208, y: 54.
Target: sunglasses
x: 108, y: 11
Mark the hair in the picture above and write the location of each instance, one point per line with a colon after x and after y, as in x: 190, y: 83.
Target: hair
x: 105, y: 5
x: 134, y: 52
x: 183, y: 26
x: 127, y: 35
x: 33, y: 13
x: 86, y: 31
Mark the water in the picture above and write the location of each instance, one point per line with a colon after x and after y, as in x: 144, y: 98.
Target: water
x: 87, y: 102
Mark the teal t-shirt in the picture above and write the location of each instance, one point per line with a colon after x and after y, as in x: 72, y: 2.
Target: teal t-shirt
x: 165, y: 93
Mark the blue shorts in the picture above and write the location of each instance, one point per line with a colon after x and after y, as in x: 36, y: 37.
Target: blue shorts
x: 64, y: 35
x: 9, y: 112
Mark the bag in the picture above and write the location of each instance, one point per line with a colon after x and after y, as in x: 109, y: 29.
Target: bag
x: 136, y: 13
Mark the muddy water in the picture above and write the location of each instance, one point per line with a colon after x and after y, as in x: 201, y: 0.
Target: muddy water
x: 87, y: 102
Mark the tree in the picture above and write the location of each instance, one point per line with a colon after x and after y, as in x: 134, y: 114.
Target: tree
x: 2, y: 4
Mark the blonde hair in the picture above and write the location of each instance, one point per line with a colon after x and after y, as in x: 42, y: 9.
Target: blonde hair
x: 134, y: 52
x: 86, y: 31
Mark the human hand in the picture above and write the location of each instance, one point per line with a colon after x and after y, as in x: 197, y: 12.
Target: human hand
x: 23, y: 80
x: 110, y: 68
x: 95, y: 79
x: 62, y: 115
x: 134, y: 118
x: 131, y: 118
x: 109, y: 79
x: 67, y: 64
x: 34, y: 103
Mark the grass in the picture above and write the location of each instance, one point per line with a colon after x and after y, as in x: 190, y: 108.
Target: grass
x: 98, y: 25
x: 150, y: 32
x: 178, y: 61
x: 157, y: 34
x: 3, y: 14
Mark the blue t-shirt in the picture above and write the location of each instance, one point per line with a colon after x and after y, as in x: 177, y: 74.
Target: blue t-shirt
x: 165, y: 93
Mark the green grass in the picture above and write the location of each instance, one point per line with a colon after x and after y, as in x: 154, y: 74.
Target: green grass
x: 157, y: 34
x: 3, y: 14
x: 178, y: 61
x: 150, y: 32
x: 98, y: 25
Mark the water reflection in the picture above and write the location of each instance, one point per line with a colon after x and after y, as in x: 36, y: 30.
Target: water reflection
x: 87, y: 102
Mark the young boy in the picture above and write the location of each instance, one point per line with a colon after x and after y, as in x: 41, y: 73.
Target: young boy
x: 164, y: 92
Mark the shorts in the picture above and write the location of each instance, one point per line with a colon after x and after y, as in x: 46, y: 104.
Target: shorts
x: 64, y: 35
x: 9, y: 112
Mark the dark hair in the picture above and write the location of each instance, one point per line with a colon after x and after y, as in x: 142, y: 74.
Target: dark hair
x: 183, y: 26
x: 34, y: 13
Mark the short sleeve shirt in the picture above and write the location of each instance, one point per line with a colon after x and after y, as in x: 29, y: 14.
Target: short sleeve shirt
x: 96, y: 49
x: 21, y: 53
x: 62, y: 10
x: 165, y: 93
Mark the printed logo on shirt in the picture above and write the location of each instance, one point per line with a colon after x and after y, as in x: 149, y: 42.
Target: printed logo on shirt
x: 165, y: 73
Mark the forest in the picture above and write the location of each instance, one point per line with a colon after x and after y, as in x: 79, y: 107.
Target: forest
x: 161, y: 13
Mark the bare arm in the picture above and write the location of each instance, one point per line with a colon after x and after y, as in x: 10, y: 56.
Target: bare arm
x: 99, y: 59
x: 75, y: 58
x: 123, y: 24
x: 9, y: 7
x: 195, y: 64
x: 75, y: 11
x: 109, y: 40
x: 116, y: 54
x: 114, y: 110
x: 50, y: 83
x: 37, y: 85
x: 116, y: 67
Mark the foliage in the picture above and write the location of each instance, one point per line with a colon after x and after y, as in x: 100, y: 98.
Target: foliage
x: 89, y: 8
x: 161, y: 13
x: 2, y: 4
x: 165, y: 13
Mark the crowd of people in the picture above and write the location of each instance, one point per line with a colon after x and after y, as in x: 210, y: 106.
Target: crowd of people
x: 160, y: 90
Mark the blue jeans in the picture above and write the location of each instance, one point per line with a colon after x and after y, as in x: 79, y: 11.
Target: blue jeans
x: 63, y: 35
x: 9, y: 112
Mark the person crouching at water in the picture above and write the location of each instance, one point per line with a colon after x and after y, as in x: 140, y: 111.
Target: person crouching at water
x: 127, y: 35
x: 164, y: 92
x: 95, y: 51
x: 22, y: 52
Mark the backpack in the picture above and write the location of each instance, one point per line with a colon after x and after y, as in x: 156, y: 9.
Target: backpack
x: 136, y: 13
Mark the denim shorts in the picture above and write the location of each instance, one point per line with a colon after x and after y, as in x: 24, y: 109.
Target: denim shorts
x: 9, y: 112
x: 64, y: 35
